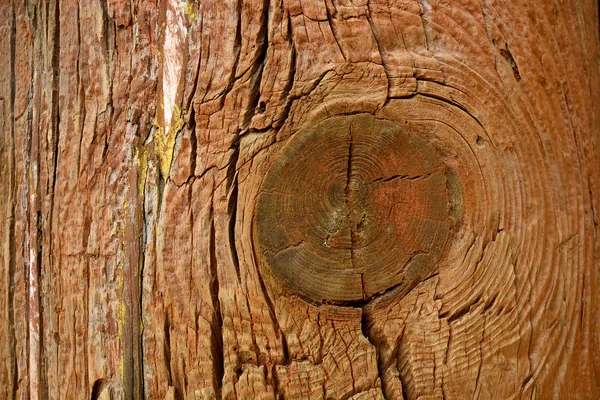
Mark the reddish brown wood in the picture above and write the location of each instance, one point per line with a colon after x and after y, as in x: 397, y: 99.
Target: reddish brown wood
x: 341, y: 199
x: 352, y: 207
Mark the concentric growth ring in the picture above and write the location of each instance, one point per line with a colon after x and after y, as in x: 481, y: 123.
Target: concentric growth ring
x: 352, y: 207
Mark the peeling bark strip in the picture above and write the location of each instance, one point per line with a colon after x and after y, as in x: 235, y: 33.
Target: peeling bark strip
x: 299, y: 199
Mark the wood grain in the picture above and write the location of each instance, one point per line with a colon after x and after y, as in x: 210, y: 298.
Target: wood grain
x: 195, y: 196
x: 351, y: 208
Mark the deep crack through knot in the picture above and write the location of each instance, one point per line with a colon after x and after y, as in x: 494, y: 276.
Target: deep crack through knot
x: 349, y: 197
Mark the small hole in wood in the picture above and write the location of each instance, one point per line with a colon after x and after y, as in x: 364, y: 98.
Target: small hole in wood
x: 261, y: 107
x: 98, y: 388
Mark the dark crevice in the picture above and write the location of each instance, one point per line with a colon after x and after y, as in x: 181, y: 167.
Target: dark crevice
x: 98, y: 388
x: 354, y: 238
x: 167, y: 347
x: 582, y: 307
x: 365, y: 326
x: 87, y: 222
x: 285, y: 249
x: 489, y: 303
x: 527, y: 381
x: 232, y: 212
x: 366, y: 323
x: 176, y: 146
x: 376, y: 36
x: 217, y: 322
x: 55, y: 114
x: 192, y: 93
x: 257, y: 69
x: 14, y: 371
x: 454, y: 103
x: 461, y: 312
x: 334, y: 31
x: 106, y: 36
x: 206, y: 171
x: 380, y: 48
x: 404, y: 387
x: 315, y: 83
x: 80, y: 93
x: 271, y: 307
x: 405, y: 177
x: 511, y: 61
x: 160, y: 190
x: 232, y: 190
x: 362, y: 283
x: 136, y: 267
x: 55, y: 130
x: 349, y: 113
x: 591, y: 194
x: 430, y: 276
x: 285, y: 92
x: 191, y: 126
x: 262, y: 106
x: 237, y: 49
x: 27, y: 248
x: 396, y: 177
x: 142, y: 254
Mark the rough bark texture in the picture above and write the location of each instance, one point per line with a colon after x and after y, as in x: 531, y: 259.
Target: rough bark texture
x: 147, y: 146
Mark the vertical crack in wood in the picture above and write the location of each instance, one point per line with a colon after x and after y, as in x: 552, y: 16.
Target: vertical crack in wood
x: 140, y: 281
x: 217, y: 323
x: 193, y: 140
x: 14, y: 371
x: 237, y: 49
x: 254, y: 106
x: 81, y: 111
x: 106, y: 34
x: 257, y: 68
x: 167, y: 348
x: 333, y: 26
x: 35, y: 333
x: 274, y: 320
x: 55, y: 129
x: 289, y: 84
x: 349, y: 197
x: 367, y: 323
x: 136, y: 265
x: 365, y: 329
x: 160, y: 193
x: 380, y: 47
x: 232, y: 203
x: 20, y: 294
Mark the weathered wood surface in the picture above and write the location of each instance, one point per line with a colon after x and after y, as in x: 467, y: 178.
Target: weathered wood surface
x: 447, y: 154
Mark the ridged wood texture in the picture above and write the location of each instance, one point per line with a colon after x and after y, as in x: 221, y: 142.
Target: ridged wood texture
x: 135, y: 142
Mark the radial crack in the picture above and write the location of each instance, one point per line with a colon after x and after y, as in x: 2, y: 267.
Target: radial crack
x: 349, y: 202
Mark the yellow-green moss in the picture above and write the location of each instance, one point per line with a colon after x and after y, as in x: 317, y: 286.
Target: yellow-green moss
x: 189, y: 9
x: 164, y: 143
x: 141, y: 157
